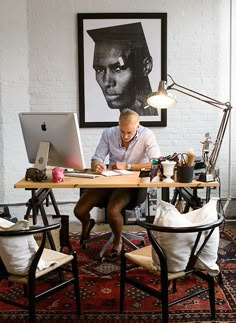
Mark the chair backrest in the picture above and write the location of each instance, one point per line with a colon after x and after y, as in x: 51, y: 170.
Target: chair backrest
x: 26, y: 232
x: 200, y: 235
x: 138, y: 198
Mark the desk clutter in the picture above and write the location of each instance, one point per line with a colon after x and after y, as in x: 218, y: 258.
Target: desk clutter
x: 178, y: 167
x: 37, y: 175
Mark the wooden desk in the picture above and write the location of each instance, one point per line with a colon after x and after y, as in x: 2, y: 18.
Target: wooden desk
x: 121, y: 181
x: 42, y: 191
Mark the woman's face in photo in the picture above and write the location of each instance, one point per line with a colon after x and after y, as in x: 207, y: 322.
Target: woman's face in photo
x: 115, y: 73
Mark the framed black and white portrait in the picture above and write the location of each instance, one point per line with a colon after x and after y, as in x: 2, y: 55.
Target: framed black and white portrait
x: 122, y: 58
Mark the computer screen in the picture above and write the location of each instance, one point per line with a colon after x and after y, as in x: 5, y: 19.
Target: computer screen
x: 52, y: 139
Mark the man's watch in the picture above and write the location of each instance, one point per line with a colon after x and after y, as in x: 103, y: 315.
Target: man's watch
x: 129, y: 166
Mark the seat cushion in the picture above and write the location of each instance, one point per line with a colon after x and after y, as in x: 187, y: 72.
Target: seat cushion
x: 177, y: 246
x: 143, y: 258
x: 53, y: 259
x: 17, y: 252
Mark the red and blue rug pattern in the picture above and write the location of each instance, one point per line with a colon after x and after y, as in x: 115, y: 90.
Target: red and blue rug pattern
x: 99, y: 284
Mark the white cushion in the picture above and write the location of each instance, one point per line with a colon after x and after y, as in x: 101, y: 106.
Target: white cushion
x: 17, y: 252
x: 177, y: 246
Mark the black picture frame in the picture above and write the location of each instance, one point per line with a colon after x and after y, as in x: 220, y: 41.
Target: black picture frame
x: 93, y: 109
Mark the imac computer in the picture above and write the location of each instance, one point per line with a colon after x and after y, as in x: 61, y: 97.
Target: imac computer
x: 52, y: 139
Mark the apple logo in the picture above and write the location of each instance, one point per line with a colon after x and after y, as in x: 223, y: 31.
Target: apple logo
x: 43, y: 126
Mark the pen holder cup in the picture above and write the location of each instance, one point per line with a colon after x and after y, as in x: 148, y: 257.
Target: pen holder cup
x: 185, y: 174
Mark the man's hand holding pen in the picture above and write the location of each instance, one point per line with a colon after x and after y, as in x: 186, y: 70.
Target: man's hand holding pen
x: 99, y: 167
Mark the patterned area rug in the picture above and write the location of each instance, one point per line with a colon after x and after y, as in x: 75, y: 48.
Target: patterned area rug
x: 100, y: 294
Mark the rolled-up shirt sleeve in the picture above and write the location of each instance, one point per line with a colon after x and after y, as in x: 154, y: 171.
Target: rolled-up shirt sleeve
x: 151, y: 147
x: 102, y: 149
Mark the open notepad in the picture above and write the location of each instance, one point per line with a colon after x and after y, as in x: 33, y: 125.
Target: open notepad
x: 116, y: 172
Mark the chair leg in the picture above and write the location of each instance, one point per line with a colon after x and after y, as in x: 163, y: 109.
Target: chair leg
x: 107, y: 236
x: 107, y: 244
x: 122, y: 281
x: 164, y: 300
x: 133, y: 236
x: 128, y: 242
x: 76, y: 283
x: 211, y: 285
x: 220, y: 279
x: 32, y: 302
x: 165, y: 311
x: 174, y: 289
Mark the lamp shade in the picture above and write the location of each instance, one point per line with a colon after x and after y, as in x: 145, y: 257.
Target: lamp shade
x: 162, y: 99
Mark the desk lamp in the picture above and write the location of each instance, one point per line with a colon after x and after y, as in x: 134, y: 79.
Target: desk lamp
x: 163, y: 99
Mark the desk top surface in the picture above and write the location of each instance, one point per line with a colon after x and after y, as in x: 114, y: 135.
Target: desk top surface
x: 121, y: 181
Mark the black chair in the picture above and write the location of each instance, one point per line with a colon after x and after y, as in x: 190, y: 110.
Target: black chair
x: 143, y: 258
x: 126, y: 236
x: 64, y: 263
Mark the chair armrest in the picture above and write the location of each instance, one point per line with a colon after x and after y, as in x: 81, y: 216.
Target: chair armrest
x: 32, y: 230
x: 150, y: 226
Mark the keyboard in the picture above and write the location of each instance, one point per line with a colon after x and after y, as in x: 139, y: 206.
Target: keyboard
x: 82, y: 174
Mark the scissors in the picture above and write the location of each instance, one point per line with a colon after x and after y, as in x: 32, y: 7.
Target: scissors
x: 183, y: 159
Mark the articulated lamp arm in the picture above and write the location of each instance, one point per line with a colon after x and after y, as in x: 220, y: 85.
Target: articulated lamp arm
x: 162, y: 99
x: 219, y: 138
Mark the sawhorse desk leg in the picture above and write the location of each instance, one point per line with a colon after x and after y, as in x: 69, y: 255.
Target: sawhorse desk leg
x: 190, y: 196
x: 165, y: 194
x: 36, y: 205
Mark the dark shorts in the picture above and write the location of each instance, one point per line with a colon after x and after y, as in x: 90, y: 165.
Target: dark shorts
x: 138, y: 196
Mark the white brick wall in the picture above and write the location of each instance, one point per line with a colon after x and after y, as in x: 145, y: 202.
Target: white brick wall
x: 232, y: 176
x: 40, y: 41
x: 14, y: 84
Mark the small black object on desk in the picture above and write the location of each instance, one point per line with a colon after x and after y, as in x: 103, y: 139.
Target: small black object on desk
x: 144, y: 173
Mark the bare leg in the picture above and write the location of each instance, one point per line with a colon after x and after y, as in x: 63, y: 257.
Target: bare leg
x: 117, y: 202
x: 88, y: 200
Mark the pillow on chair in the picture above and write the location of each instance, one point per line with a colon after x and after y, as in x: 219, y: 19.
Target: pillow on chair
x: 17, y: 252
x: 177, y: 246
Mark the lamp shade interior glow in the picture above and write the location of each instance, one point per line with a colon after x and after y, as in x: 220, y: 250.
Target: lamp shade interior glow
x: 162, y: 99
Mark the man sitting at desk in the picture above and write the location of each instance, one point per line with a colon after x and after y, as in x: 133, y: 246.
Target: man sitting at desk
x: 130, y: 146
